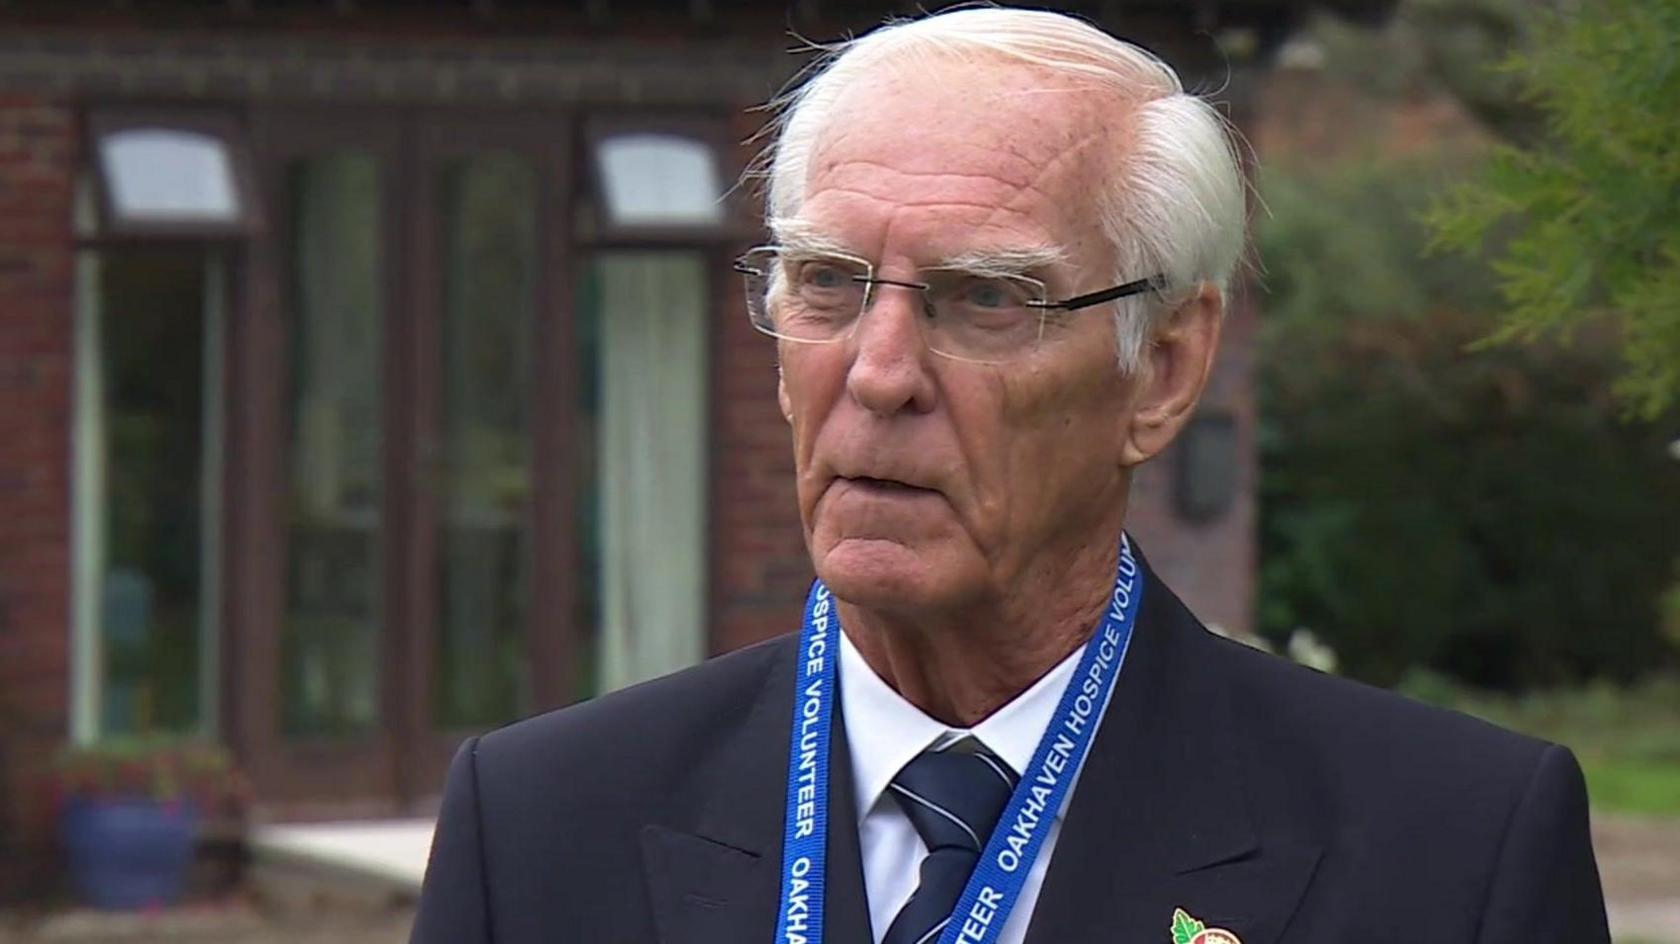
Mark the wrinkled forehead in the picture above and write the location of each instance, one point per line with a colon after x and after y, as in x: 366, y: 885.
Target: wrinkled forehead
x: 1013, y: 143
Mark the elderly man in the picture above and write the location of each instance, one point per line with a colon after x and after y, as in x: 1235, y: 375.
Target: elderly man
x: 1001, y: 245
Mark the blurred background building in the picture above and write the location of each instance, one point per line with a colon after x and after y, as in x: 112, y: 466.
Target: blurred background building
x: 372, y: 373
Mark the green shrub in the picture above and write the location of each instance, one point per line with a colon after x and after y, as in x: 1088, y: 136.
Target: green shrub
x: 1485, y: 513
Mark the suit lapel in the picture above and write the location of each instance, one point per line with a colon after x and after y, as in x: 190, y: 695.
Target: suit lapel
x: 1160, y: 818
x: 718, y: 883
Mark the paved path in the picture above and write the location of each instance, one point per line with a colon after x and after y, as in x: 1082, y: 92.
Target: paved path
x: 391, y: 853
x: 1639, y: 860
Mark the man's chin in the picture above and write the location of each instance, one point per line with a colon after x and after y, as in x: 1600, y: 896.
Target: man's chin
x: 883, y: 574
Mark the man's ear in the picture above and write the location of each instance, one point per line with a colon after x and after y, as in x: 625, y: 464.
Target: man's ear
x: 1173, y: 370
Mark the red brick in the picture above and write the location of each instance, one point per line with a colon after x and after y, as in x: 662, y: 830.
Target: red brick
x: 35, y: 358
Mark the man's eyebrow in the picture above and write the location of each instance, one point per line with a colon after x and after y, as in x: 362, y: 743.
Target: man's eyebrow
x: 800, y: 236
x: 1025, y: 260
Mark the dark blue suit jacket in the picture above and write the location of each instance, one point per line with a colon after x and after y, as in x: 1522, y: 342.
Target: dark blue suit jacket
x: 1261, y: 797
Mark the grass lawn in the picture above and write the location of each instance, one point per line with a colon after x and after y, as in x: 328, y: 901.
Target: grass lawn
x: 1628, y: 739
x: 1628, y: 785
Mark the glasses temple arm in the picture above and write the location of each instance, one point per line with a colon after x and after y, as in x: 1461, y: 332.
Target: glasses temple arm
x: 1106, y: 295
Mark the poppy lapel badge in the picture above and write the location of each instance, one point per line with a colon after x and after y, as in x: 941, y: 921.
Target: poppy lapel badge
x: 1187, y: 930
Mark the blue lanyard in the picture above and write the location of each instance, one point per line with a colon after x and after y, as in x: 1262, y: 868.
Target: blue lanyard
x: 805, y: 843
x: 992, y: 890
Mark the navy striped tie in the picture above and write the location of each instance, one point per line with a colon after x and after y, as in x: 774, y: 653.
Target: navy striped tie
x: 954, y: 800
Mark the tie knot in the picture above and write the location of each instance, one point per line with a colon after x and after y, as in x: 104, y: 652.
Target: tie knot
x: 953, y: 798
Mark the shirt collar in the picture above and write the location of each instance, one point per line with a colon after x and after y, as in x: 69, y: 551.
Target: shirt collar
x: 884, y: 731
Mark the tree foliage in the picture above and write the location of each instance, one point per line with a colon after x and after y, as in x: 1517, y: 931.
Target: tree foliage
x: 1583, y: 224
x: 1482, y: 513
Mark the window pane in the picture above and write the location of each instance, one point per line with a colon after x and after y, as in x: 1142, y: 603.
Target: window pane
x: 151, y: 336
x: 488, y: 279
x: 168, y: 175
x: 659, y: 180
x: 330, y: 639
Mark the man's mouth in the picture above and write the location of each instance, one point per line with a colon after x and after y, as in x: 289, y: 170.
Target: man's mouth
x: 883, y: 486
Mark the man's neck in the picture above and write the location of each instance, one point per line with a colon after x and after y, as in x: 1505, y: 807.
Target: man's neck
x: 961, y: 665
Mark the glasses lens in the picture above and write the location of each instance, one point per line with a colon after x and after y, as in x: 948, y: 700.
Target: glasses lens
x: 981, y: 317
x: 804, y: 297
x: 756, y: 268
x: 817, y: 297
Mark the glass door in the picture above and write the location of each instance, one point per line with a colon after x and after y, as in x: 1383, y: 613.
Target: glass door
x: 407, y: 372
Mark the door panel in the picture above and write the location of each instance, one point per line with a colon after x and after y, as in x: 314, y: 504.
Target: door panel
x: 334, y: 507
x: 493, y: 507
x: 487, y: 210
x: 321, y: 472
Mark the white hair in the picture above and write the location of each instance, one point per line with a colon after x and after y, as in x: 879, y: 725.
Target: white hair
x: 1175, y: 205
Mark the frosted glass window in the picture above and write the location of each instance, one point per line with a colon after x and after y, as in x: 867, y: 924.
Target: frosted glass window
x: 168, y: 175
x: 659, y: 180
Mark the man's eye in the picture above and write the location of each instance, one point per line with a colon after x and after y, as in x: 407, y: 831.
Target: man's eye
x: 987, y: 294
x: 992, y: 295
x: 824, y: 276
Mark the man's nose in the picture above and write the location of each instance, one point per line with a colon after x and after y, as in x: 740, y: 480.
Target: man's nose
x: 890, y: 370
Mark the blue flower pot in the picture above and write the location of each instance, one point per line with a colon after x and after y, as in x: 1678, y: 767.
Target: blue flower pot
x: 128, y: 854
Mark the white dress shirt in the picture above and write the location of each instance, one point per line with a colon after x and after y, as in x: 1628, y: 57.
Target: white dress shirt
x: 884, y: 732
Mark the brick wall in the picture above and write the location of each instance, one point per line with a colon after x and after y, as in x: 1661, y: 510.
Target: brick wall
x: 1210, y: 564
x: 760, y: 570
x: 441, y: 68
x: 1308, y: 119
x: 36, y: 140
x: 760, y: 567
